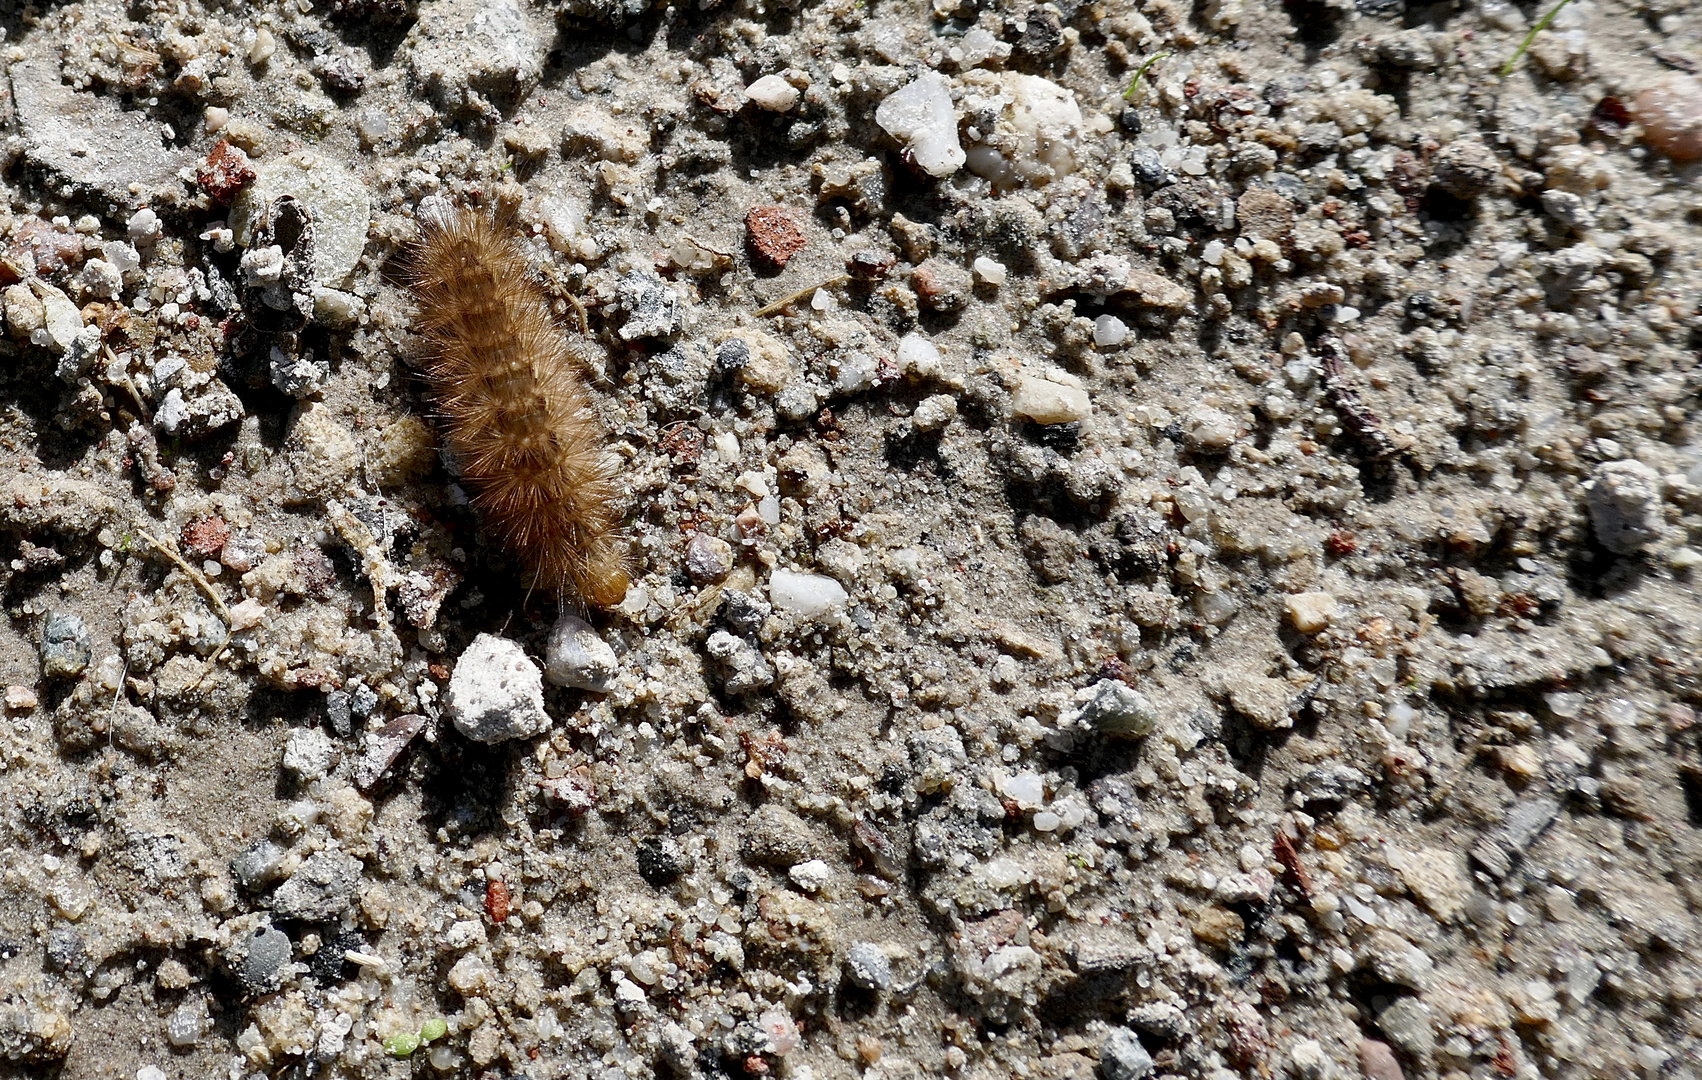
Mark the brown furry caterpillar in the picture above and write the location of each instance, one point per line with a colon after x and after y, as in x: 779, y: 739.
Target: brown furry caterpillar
x: 513, y: 408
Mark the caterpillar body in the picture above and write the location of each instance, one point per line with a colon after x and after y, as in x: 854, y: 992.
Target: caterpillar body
x: 513, y: 407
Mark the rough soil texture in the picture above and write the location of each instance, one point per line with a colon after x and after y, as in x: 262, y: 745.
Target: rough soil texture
x: 1196, y: 584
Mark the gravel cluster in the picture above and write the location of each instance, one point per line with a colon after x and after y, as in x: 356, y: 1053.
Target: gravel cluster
x: 1164, y: 544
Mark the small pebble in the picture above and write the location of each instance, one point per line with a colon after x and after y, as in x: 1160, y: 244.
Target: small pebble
x: 935, y: 412
x: 809, y: 595
x: 810, y: 876
x: 1311, y: 612
x: 1109, y: 331
x: 1047, y: 402
x: 262, y: 967
x: 868, y: 967
x: 309, y: 754
x: 921, y: 116
x: 496, y: 693
x: 988, y: 271
x: 708, y: 558
x: 1122, y: 1057
x: 1670, y: 111
x: 773, y: 93
x: 577, y: 656
x: 65, y: 646
x: 772, y: 236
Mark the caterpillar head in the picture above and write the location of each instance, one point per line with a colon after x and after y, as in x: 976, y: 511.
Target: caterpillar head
x: 605, y: 580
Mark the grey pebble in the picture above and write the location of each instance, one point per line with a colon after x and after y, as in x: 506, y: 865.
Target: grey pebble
x: 868, y: 967
x: 1116, y: 709
x: 64, y: 646
x: 320, y: 889
x: 1122, y: 1057
x: 337, y: 714
x: 1497, y: 850
x: 1624, y: 498
x: 257, y: 865
x: 742, y: 665
x: 1409, y: 1025
x: 263, y: 965
x: 66, y: 950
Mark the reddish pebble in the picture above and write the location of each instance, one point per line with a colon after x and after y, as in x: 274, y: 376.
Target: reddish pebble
x: 206, y: 537
x: 1671, y: 114
x: 53, y: 250
x: 225, y: 171
x: 773, y: 236
x: 496, y: 900
x: 1377, y: 1061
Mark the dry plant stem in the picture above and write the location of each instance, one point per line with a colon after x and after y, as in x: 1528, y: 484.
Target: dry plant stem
x: 793, y: 298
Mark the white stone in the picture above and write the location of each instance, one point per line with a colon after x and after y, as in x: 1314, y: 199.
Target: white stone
x: 773, y: 93
x: 989, y: 271
x: 918, y: 356
x: 1212, y: 429
x: 809, y: 595
x: 1047, y: 402
x: 309, y: 754
x: 1310, y: 612
x: 496, y: 693
x: 150, y: 1072
x: 1109, y: 331
x: 934, y: 412
x: 1027, y: 790
x: 810, y: 876
x: 63, y: 320
x: 921, y: 116
x: 577, y: 656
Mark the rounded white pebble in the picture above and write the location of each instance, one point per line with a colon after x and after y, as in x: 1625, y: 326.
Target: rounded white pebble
x: 1045, y: 821
x: 809, y: 595
x: 989, y: 271
x: 150, y: 1072
x: 578, y: 657
x: 1027, y: 790
x: 1109, y: 331
x: 918, y: 356
x: 773, y: 93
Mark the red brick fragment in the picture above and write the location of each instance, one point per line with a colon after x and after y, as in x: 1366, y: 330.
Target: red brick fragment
x: 225, y: 172
x: 206, y: 537
x: 773, y: 236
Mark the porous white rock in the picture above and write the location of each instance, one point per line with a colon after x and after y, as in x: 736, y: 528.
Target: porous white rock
x: 496, y: 693
x: 921, y: 116
x: 809, y: 595
x: 309, y: 754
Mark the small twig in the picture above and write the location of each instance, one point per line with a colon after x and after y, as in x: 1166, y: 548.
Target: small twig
x: 195, y: 575
x: 801, y: 293
x: 1135, y: 83
x: 206, y: 586
x: 130, y: 385
x: 1530, y: 36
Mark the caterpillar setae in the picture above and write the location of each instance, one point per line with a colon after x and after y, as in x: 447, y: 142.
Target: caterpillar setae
x: 513, y: 408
